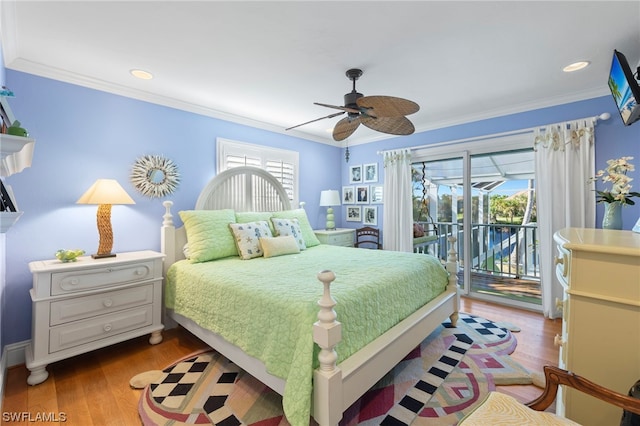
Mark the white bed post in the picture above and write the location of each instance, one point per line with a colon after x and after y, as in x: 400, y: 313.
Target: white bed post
x: 452, y: 267
x: 168, y: 237
x: 327, y: 379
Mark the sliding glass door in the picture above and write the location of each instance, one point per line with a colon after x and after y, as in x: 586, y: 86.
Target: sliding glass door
x: 486, y: 200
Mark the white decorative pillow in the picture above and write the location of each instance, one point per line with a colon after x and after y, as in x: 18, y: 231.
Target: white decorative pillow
x: 309, y: 236
x: 284, y: 227
x: 278, y: 246
x: 247, y: 237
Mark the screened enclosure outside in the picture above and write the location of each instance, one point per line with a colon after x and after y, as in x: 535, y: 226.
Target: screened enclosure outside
x: 502, y: 255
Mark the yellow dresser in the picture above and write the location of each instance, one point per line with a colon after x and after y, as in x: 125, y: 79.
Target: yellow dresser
x: 600, y: 272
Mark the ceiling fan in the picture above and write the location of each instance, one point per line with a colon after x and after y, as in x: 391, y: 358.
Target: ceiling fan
x: 384, y: 114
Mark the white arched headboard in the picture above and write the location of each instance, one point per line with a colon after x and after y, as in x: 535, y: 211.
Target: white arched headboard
x: 244, y: 189
x: 241, y: 188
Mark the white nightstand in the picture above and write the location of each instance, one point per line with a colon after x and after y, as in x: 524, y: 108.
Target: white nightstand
x: 85, y: 305
x: 336, y: 237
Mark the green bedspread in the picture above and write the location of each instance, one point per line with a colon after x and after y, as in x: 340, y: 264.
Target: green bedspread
x: 268, y: 306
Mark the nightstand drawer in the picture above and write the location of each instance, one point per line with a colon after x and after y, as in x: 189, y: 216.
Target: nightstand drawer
x: 98, y: 277
x: 337, y: 237
x: 340, y: 240
x: 79, y: 308
x: 80, y: 332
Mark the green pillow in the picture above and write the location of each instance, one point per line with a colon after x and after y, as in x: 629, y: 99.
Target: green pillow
x: 244, y: 217
x: 309, y: 236
x: 208, y: 234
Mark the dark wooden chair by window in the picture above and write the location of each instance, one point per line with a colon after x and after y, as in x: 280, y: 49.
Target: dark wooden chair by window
x: 368, y: 237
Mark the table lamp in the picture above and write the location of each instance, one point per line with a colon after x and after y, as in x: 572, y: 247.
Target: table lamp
x: 105, y: 192
x: 330, y: 198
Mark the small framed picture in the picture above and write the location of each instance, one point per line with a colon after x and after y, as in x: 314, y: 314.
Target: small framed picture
x: 354, y: 214
x: 348, y: 195
x: 370, y: 215
x: 355, y: 174
x: 375, y: 194
x: 371, y: 172
x: 362, y: 194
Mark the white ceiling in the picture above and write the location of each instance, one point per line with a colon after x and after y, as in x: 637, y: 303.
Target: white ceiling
x: 264, y: 63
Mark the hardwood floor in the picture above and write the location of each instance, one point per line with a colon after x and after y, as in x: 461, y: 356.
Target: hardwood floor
x: 93, y: 389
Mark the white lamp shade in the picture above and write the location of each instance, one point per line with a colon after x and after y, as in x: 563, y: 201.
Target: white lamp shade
x: 105, y: 191
x: 329, y: 197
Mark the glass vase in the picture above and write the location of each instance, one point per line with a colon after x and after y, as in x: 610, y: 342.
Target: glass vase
x: 612, y: 216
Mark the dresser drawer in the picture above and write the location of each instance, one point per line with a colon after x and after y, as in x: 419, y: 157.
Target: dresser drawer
x: 80, y: 332
x: 98, y: 277
x: 79, y: 308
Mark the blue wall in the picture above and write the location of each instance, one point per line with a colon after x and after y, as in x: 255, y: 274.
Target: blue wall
x: 83, y: 134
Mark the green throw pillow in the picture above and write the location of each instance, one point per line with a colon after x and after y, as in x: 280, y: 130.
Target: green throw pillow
x: 309, y: 236
x: 208, y: 234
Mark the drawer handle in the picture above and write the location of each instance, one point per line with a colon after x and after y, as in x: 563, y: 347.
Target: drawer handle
x: 107, y: 327
x: 557, y: 341
x: 559, y: 304
x: 74, y: 281
x: 107, y: 303
x: 563, y: 261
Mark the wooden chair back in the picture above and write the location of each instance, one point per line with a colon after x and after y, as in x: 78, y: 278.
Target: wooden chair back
x: 368, y: 237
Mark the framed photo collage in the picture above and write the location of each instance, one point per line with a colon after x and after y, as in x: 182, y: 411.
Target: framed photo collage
x: 362, y: 194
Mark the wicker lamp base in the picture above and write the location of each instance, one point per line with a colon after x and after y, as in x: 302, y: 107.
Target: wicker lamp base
x: 105, y: 231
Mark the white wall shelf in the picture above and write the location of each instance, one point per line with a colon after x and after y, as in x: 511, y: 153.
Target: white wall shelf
x: 7, y: 219
x: 16, y: 153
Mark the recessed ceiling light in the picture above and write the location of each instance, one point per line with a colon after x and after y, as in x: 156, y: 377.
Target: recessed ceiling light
x: 144, y: 75
x: 576, y: 66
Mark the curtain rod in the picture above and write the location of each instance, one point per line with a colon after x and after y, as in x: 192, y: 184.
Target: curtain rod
x: 604, y: 116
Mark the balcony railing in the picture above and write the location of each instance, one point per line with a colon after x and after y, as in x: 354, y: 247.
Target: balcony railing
x: 505, y: 250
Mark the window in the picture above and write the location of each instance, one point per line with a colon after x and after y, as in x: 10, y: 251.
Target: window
x: 281, y: 163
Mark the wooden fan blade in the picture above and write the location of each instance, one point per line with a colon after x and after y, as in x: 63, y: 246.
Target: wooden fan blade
x: 387, y: 106
x: 391, y: 125
x: 345, y: 128
x: 317, y: 119
x: 347, y: 109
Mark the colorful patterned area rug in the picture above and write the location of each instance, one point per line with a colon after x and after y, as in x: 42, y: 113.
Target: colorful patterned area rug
x: 436, y: 384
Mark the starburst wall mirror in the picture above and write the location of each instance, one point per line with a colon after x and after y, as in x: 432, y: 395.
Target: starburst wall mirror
x: 155, y: 176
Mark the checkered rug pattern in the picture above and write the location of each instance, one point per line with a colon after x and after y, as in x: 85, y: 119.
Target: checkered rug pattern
x: 436, y: 384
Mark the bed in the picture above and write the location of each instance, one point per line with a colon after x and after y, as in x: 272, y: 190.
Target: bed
x: 307, y: 360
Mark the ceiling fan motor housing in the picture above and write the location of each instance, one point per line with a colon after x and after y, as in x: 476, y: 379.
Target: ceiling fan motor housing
x: 350, y: 102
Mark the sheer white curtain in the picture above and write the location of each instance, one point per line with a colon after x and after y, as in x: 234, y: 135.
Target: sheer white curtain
x: 397, y: 222
x: 564, y: 161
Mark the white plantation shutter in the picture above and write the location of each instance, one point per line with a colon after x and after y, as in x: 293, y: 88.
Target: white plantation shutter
x: 285, y: 173
x: 281, y: 163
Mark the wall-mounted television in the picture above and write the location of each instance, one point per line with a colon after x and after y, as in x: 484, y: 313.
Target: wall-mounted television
x: 624, y: 88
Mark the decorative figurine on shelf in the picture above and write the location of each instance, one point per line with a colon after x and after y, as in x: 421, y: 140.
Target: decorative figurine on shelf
x: 6, y: 92
x: 16, y: 130
x: 68, y: 255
